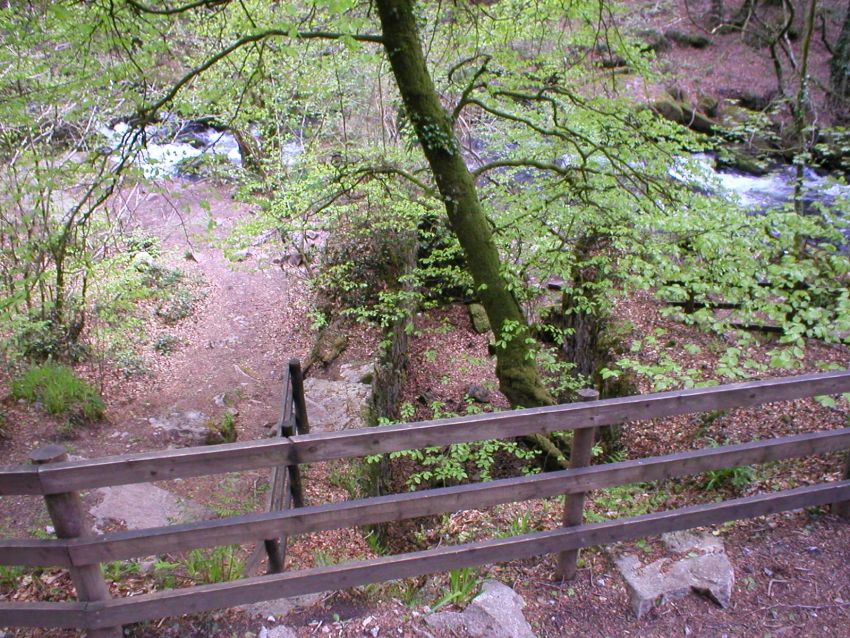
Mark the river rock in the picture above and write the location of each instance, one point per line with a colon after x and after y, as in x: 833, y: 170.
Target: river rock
x: 684, y: 114
x: 705, y: 569
x: 742, y: 161
x: 495, y: 613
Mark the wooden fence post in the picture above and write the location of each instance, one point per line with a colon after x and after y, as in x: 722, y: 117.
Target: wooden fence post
x: 842, y: 508
x: 302, y: 426
x: 293, y: 420
x: 69, y: 521
x: 580, y: 455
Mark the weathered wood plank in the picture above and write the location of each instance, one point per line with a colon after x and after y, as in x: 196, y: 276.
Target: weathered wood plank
x: 394, y: 507
x: 207, y: 597
x: 310, y: 448
x: 35, y: 553
x: 69, y: 519
x: 19, y: 479
x: 581, y: 454
x: 67, y: 615
x: 518, y: 423
x: 160, y: 466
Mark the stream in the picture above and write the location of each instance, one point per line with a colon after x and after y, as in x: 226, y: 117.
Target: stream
x: 172, y: 145
x: 772, y: 190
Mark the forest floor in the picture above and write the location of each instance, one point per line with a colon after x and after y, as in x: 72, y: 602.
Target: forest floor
x: 792, y: 570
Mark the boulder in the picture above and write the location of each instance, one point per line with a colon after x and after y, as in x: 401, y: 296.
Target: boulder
x: 704, y: 569
x: 188, y: 427
x: 144, y: 505
x: 336, y: 405
x: 685, y: 115
x: 653, y: 39
x: 478, y: 393
x: 495, y: 613
x: 669, y: 110
x: 750, y: 100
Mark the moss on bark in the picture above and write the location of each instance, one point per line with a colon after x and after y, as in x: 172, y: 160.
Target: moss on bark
x: 518, y: 376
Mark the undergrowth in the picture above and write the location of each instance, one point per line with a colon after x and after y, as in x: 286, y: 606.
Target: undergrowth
x: 61, y: 392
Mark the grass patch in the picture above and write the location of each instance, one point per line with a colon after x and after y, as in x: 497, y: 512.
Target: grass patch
x: 61, y: 392
x: 215, y: 565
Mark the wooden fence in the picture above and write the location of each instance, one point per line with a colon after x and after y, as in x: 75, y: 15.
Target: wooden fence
x: 59, y: 481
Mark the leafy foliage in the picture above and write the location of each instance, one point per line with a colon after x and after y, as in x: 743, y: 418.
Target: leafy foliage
x: 459, y: 462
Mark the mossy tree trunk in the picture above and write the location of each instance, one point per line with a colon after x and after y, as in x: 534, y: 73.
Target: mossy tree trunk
x: 518, y: 376
x: 839, y: 72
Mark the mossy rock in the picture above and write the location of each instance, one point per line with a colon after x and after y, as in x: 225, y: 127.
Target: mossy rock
x: 685, y: 115
x: 222, y: 430
x: 750, y: 100
x: 742, y: 161
x: 669, y: 110
x: 478, y: 316
x: 709, y: 105
x: 693, y: 40
x: 330, y: 343
x: 653, y: 40
x: 832, y: 150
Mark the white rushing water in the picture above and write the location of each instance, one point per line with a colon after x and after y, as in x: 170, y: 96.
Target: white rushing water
x: 163, y: 155
x: 168, y: 147
x: 759, y: 192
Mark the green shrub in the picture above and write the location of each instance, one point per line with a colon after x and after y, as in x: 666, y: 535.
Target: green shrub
x: 223, y: 430
x: 736, y: 479
x: 166, y: 344
x: 42, y: 339
x: 215, y: 565
x: 178, y: 305
x: 462, y: 586
x: 60, y: 391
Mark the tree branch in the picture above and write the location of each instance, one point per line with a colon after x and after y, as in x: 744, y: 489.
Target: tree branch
x: 168, y: 11
x: 471, y: 85
x: 529, y: 163
x: 245, y: 41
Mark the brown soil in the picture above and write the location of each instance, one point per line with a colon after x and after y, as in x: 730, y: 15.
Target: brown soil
x: 245, y: 327
x: 734, y: 63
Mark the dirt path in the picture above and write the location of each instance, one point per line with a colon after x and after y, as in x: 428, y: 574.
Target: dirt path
x: 229, y: 353
x: 237, y: 342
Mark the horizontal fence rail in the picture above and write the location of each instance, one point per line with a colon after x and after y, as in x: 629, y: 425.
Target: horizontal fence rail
x: 233, y: 457
x: 396, y: 507
x: 248, y: 590
x: 102, y: 616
